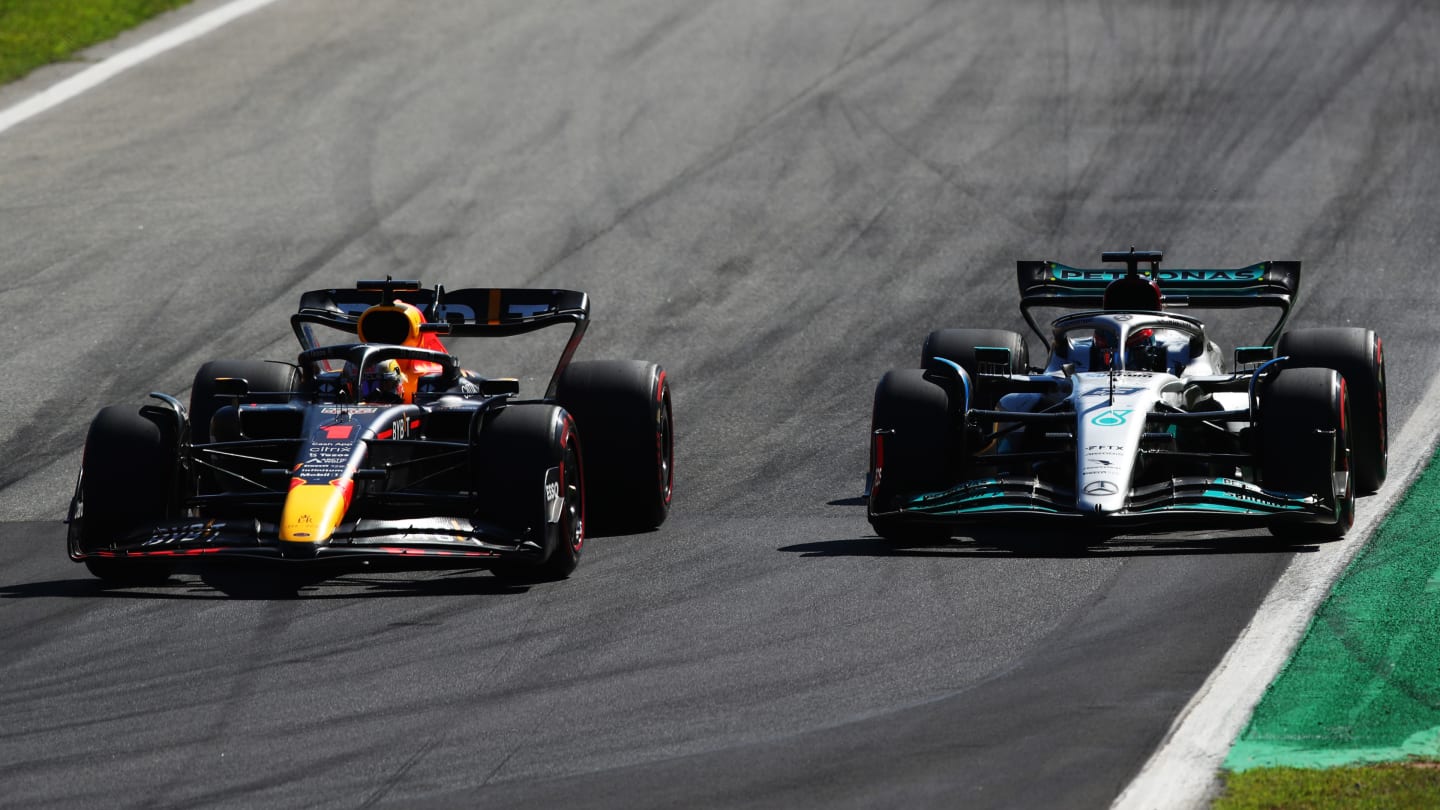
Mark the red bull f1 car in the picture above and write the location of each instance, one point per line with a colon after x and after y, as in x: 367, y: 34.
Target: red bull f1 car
x: 376, y: 450
x: 1137, y: 421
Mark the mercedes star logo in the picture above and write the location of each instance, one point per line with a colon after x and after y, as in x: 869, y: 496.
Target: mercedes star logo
x: 1101, y: 488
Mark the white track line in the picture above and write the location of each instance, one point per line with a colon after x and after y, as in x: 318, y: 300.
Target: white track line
x: 126, y: 59
x: 1182, y: 772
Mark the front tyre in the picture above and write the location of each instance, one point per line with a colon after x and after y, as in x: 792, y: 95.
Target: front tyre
x: 1306, y: 446
x: 530, y: 480
x: 127, y: 481
x: 913, y: 449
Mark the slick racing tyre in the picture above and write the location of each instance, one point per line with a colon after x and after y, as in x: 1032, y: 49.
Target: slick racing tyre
x: 268, y: 382
x: 959, y: 345
x: 914, y: 452
x: 1305, y: 440
x: 1359, y: 357
x: 529, y: 480
x: 627, y: 434
x: 127, y: 480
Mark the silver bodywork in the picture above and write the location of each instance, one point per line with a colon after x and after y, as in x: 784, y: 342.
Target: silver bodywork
x: 1133, y: 422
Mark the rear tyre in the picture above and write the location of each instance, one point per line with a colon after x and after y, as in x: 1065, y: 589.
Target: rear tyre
x: 914, y: 455
x: 1359, y: 357
x: 1305, y: 441
x: 959, y: 345
x: 623, y: 413
x: 128, y: 480
x: 268, y: 382
x: 530, y: 480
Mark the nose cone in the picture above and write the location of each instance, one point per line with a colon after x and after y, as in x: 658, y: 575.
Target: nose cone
x: 1099, y: 495
x: 312, y: 511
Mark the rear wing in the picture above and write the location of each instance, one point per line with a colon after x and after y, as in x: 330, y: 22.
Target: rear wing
x: 480, y: 312
x: 497, y: 312
x: 1264, y: 284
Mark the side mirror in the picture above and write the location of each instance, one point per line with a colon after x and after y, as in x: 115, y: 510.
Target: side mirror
x: 991, y: 360
x: 1253, y: 355
x: 232, y: 386
x: 500, y: 386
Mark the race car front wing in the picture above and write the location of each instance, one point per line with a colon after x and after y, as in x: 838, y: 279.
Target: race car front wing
x: 411, y: 543
x: 1181, y: 503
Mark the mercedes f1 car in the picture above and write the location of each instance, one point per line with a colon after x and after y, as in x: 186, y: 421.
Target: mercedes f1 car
x: 376, y: 450
x: 1135, y: 423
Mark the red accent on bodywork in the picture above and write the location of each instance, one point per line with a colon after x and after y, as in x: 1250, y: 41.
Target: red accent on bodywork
x: 428, y: 340
x: 395, y: 550
x: 1344, y: 428
x: 186, y: 552
x: 346, y: 484
x: 1380, y: 394
x: 660, y: 460
x: 400, y: 551
x: 566, y: 425
x: 385, y: 434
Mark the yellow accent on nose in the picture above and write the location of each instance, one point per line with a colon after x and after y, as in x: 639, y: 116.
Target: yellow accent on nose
x: 312, y: 511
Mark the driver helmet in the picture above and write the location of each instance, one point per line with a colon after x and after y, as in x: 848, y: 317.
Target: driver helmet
x: 383, y: 382
x: 1141, y: 348
x: 1143, y: 352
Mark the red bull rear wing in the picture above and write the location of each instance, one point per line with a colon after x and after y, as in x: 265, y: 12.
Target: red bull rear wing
x: 495, y: 312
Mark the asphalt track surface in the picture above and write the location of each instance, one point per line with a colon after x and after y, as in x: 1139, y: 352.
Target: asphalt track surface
x: 776, y: 202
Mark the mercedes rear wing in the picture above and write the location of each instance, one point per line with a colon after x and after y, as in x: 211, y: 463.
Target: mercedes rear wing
x: 1264, y: 284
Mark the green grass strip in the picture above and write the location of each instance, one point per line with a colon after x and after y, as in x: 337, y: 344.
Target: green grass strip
x: 38, y: 32
x: 1376, y: 787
